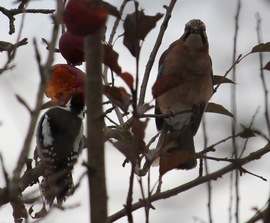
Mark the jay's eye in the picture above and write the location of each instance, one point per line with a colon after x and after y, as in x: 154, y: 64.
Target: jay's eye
x: 187, y: 28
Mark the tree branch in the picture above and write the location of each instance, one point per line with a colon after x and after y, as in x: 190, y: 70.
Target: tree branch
x: 10, y: 192
x: 153, y: 54
x: 95, y: 124
x: 45, y: 73
x: 198, y: 181
x: 10, y: 13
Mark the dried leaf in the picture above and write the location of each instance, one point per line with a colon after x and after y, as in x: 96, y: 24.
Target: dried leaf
x: 247, y: 133
x: 124, y: 144
x: 263, y: 47
x: 146, y: 23
x: 137, y: 25
x: 217, y: 108
x: 118, y: 96
x: 131, y: 145
x: 112, y: 10
x: 138, y: 130
x: 222, y: 80
x: 126, y: 148
x: 127, y: 77
x: 111, y: 59
x: 267, y: 66
x: 130, y: 38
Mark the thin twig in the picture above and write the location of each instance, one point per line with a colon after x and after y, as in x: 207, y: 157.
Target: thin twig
x: 110, y: 42
x: 266, y: 111
x: 262, y: 75
x: 28, y: 178
x: 45, y: 73
x: 260, y: 214
x: 198, y: 181
x: 169, y: 115
x: 209, y: 186
x: 128, y: 206
x: 11, y: 13
x: 153, y: 54
x: 250, y: 126
x: 234, y: 110
x: 239, y: 58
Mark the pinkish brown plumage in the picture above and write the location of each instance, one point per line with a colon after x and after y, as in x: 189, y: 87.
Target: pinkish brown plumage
x: 184, y: 83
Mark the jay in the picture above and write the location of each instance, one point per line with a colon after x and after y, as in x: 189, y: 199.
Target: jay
x: 182, y: 90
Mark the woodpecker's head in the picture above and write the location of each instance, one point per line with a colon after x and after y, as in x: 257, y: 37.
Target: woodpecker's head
x: 77, y: 101
x: 195, y: 33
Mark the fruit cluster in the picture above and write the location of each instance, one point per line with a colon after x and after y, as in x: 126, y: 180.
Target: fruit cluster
x: 81, y: 18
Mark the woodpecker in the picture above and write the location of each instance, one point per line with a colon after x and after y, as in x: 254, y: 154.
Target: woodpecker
x: 186, y: 70
x: 59, y: 139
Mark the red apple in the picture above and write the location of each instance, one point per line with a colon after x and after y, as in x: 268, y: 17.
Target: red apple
x: 83, y: 18
x: 65, y: 81
x: 71, y: 48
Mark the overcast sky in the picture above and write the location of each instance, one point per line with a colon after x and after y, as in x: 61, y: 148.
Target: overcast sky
x: 218, y: 16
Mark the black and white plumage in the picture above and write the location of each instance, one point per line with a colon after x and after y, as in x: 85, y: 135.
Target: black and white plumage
x: 59, y: 143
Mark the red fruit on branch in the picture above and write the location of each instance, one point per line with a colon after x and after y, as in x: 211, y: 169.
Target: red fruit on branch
x: 71, y: 48
x: 65, y: 81
x: 83, y: 18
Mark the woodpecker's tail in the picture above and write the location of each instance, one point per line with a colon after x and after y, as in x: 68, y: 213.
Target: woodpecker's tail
x: 59, y: 185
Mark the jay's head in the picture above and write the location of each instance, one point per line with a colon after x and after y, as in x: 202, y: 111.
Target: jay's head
x: 195, y: 34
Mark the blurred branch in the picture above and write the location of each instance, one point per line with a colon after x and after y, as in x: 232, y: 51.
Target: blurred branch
x: 45, y: 74
x: 262, y: 75
x: 116, y: 23
x: 128, y: 206
x: 7, y: 46
x: 153, y: 54
x: 198, y: 181
x: 261, y: 214
x: 265, y: 215
x: 110, y: 42
x: 234, y: 121
x: 165, y: 115
x: 11, y: 13
x: 10, y: 192
x: 209, y: 183
x: 95, y: 124
x: 11, y: 50
x: 235, y: 62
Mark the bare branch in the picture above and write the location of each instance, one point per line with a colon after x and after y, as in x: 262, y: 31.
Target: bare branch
x: 46, y: 73
x: 234, y: 111
x: 11, y: 13
x: 28, y: 179
x: 153, y: 54
x: 262, y: 75
x: 95, y: 123
x: 198, y: 181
